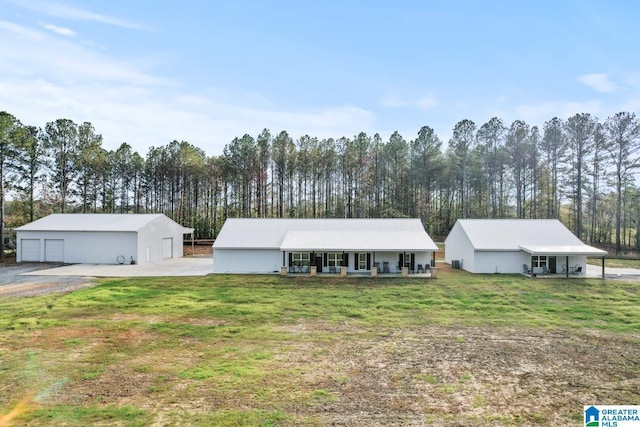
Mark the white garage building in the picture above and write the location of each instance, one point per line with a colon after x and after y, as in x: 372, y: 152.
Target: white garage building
x: 100, y: 239
x: 527, y: 246
x: 266, y: 245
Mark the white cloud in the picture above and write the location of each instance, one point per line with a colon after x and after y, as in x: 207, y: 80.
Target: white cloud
x: 20, y: 30
x: 46, y: 78
x: 27, y: 52
x: 59, y: 30
x: 69, y: 12
x: 145, y: 116
x: 598, y: 82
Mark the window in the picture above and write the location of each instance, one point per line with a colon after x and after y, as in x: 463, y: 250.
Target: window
x: 362, y: 261
x: 407, y: 259
x: 334, y: 259
x: 301, y: 259
x: 538, y: 261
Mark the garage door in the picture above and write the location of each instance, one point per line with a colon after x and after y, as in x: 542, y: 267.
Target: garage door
x: 167, y: 248
x: 30, y: 249
x: 54, y: 250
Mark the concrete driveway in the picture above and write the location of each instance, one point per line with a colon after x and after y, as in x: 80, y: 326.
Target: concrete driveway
x: 613, y: 273
x: 192, y: 266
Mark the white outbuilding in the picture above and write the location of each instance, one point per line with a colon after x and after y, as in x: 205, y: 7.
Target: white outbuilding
x: 527, y: 246
x: 100, y: 239
x: 267, y: 245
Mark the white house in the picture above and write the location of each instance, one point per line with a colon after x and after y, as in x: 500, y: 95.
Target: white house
x: 266, y: 245
x: 100, y: 239
x: 528, y: 246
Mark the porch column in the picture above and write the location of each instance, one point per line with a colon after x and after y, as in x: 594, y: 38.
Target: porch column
x: 567, y: 264
x: 284, y: 263
x: 603, y: 267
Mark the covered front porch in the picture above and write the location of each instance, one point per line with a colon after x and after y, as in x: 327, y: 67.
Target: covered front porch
x: 358, y: 263
x: 559, y: 261
x: 363, y: 252
x: 431, y: 273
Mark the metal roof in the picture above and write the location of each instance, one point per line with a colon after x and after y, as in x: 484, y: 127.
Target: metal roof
x: 324, y: 234
x: 530, y: 235
x: 563, y: 250
x: 355, y: 241
x: 95, y: 222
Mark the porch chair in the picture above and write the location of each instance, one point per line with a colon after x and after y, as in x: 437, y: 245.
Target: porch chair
x: 420, y: 268
x: 385, y: 267
x: 578, y: 270
x: 526, y: 269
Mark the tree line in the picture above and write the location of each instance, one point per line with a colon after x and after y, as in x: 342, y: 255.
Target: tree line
x: 580, y: 170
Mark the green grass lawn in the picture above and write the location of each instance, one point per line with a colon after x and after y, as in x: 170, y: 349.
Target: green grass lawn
x: 221, y: 335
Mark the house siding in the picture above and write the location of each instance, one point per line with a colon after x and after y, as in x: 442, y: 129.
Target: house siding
x: 85, y: 247
x: 459, y: 247
x: 264, y: 245
x: 247, y: 260
x: 500, y: 262
x: 150, y: 238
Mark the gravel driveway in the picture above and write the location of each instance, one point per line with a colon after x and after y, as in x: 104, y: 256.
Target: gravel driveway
x: 15, y: 282
x: 26, y: 279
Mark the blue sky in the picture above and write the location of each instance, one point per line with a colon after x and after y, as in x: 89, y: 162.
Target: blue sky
x: 148, y: 72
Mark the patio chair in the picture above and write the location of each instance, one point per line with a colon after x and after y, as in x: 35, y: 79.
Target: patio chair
x: 526, y: 269
x: 545, y: 270
x: 385, y: 267
x: 420, y: 268
x: 578, y: 270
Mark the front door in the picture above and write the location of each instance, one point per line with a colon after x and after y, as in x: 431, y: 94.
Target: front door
x: 552, y: 264
x: 167, y: 247
x: 319, y: 263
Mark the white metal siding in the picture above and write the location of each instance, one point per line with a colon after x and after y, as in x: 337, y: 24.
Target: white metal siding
x: 30, y: 250
x: 151, y: 240
x: 501, y: 262
x: 270, y: 260
x: 247, y: 260
x: 54, y: 250
x: 167, y: 247
x: 458, y: 247
x: 100, y: 247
